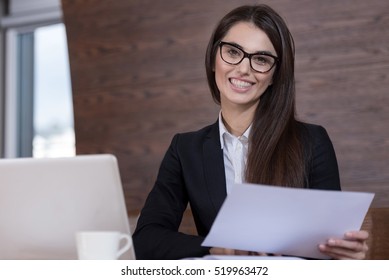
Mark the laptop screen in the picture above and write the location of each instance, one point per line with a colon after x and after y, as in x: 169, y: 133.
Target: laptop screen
x: 44, y: 202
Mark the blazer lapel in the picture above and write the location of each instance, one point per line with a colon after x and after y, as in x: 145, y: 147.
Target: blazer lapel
x: 214, y: 167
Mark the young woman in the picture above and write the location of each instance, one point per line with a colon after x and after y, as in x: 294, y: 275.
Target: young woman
x: 256, y: 139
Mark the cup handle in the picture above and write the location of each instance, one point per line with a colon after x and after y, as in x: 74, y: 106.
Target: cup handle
x: 126, y: 246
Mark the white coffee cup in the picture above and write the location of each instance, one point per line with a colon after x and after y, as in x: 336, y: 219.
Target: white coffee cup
x: 102, y: 245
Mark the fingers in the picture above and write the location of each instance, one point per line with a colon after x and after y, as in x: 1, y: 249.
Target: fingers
x: 357, y: 235
x: 341, y: 253
x: 353, y: 246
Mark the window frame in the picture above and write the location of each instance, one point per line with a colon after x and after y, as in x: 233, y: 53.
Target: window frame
x: 16, y: 135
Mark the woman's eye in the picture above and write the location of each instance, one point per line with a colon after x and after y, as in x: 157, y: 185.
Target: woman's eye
x: 233, y: 52
x: 261, y: 60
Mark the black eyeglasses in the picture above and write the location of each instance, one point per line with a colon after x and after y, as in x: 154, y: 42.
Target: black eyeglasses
x: 261, y: 62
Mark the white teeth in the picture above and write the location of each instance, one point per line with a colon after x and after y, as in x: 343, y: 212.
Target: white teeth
x: 240, y: 84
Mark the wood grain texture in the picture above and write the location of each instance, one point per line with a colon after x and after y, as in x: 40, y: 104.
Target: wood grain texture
x: 137, y: 70
x: 377, y: 224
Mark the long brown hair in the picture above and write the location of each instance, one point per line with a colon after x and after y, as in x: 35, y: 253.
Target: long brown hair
x: 275, y: 155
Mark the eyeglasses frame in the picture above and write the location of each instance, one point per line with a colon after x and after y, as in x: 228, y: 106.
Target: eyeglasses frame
x: 248, y: 55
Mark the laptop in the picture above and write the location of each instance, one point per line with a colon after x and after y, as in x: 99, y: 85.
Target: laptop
x: 44, y: 202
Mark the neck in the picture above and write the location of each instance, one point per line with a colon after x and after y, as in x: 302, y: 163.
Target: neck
x: 237, y: 121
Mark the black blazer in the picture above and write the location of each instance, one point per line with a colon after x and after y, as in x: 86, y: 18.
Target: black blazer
x: 192, y: 171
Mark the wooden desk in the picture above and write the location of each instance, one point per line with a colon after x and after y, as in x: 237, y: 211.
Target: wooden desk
x: 377, y: 224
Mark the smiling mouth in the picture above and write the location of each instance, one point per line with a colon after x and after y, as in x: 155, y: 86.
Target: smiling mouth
x: 240, y: 84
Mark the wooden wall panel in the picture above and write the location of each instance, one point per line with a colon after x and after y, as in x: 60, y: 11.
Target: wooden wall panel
x: 138, y: 78
x: 343, y: 82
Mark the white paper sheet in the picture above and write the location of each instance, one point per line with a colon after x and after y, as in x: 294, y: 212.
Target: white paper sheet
x: 286, y: 221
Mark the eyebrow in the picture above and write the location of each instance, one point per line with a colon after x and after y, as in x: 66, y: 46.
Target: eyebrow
x: 257, y: 52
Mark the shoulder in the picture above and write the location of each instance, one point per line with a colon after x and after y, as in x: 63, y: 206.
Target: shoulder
x: 322, y: 167
x: 197, y: 137
x: 189, y: 146
x: 201, y: 132
x: 313, y: 133
x: 312, y: 129
x: 317, y: 144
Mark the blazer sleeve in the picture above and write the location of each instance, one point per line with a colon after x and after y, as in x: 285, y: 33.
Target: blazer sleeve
x: 156, y: 235
x: 323, y: 172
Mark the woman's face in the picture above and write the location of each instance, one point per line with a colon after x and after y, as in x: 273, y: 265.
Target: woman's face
x: 240, y: 86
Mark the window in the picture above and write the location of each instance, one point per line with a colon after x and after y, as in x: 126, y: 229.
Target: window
x: 53, y: 110
x: 38, y: 118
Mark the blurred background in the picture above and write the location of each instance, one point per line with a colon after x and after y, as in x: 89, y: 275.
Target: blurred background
x: 123, y: 76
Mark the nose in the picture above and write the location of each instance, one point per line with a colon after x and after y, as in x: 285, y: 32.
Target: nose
x: 244, y: 66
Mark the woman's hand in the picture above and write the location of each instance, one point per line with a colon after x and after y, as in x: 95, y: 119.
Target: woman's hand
x: 353, y: 246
